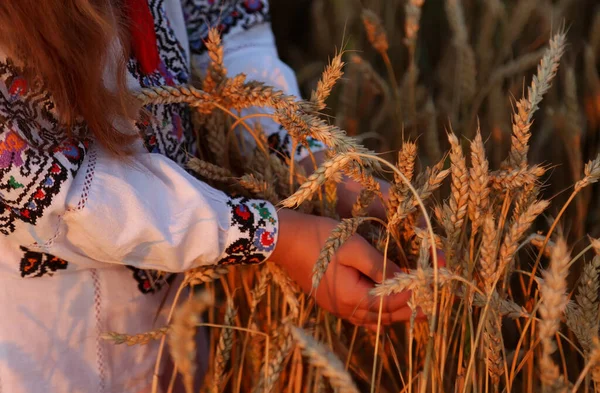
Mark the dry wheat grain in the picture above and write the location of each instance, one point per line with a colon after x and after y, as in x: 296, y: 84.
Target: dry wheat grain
x: 515, y: 234
x: 587, y: 296
x: 216, y: 72
x: 287, y: 287
x: 216, y: 138
x: 516, y: 179
x: 375, y: 31
x: 204, y: 274
x: 330, y: 77
x: 552, y: 306
x: 478, y: 182
x: 256, y: 184
x: 271, y: 371
x: 363, y: 202
x: 456, y: 209
x: 316, y: 180
x: 492, y: 339
x: 329, y: 365
x: 223, y: 347
x: 527, y: 107
x: 489, y: 251
x: 591, y: 172
x: 537, y: 240
x: 208, y: 170
x: 410, y: 280
x: 181, y: 335
x: 465, y: 66
x: 344, y: 231
x: 136, y: 339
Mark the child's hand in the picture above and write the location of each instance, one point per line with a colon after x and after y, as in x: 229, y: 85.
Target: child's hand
x: 351, y: 274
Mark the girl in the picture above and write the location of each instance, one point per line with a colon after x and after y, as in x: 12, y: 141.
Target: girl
x: 92, y: 200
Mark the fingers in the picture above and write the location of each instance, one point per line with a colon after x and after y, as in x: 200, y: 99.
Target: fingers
x: 370, y: 262
x: 361, y: 298
x: 364, y: 317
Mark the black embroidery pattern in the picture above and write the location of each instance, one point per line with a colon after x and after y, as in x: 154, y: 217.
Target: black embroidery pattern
x: 166, y: 130
x: 35, y: 157
x: 227, y: 16
x: 150, y: 281
x: 37, y: 264
x: 256, y: 229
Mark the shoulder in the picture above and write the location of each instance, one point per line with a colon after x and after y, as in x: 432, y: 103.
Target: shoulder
x: 231, y: 17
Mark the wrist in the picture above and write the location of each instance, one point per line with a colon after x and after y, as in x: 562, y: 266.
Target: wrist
x: 288, y: 227
x: 296, y: 231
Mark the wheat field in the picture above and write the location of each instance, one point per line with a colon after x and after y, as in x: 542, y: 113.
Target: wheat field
x: 485, y: 117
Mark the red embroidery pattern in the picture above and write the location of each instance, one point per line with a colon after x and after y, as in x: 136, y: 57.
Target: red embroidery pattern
x: 165, y: 131
x: 150, y: 281
x: 255, y: 224
x: 35, y: 156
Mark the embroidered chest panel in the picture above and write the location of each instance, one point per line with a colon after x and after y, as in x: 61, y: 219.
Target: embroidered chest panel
x: 37, y: 161
x: 168, y: 128
x: 35, y: 157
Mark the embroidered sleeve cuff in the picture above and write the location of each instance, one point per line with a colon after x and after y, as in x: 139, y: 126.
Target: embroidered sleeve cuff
x: 252, y: 234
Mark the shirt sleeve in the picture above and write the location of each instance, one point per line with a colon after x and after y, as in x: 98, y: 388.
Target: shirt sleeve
x: 249, y: 48
x: 74, y: 201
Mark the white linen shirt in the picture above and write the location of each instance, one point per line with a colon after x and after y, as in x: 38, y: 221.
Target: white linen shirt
x: 82, y: 231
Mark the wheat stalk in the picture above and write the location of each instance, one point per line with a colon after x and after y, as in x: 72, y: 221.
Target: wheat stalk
x: 515, y: 233
x: 516, y: 179
x: 341, y: 233
x: 478, y: 182
x: 492, y: 339
x: 552, y: 306
x: 321, y: 358
x: 540, y: 84
x: 204, y: 274
x: 587, y: 299
x: 331, y: 75
x: 224, y: 347
x: 287, y: 286
x: 181, y: 340
x: 272, y: 370
x: 456, y: 209
x: 136, y: 339
x: 259, y: 187
x: 216, y: 72
x: 375, y: 31
x: 489, y: 251
x: 316, y: 180
x: 411, y: 280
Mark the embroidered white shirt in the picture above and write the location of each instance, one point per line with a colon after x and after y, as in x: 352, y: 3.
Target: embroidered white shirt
x: 81, y: 229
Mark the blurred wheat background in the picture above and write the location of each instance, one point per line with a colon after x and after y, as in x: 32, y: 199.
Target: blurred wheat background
x: 491, y: 111
x: 457, y: 63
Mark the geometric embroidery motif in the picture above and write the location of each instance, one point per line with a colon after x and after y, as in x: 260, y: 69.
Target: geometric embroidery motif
x: 226, y: 16
x: 165, y: 130
x: 37, y: 264
x: 36, y: 157
x: 150, y: 281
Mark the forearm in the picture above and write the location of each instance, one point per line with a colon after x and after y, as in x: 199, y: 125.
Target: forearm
x: 301, y: 238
